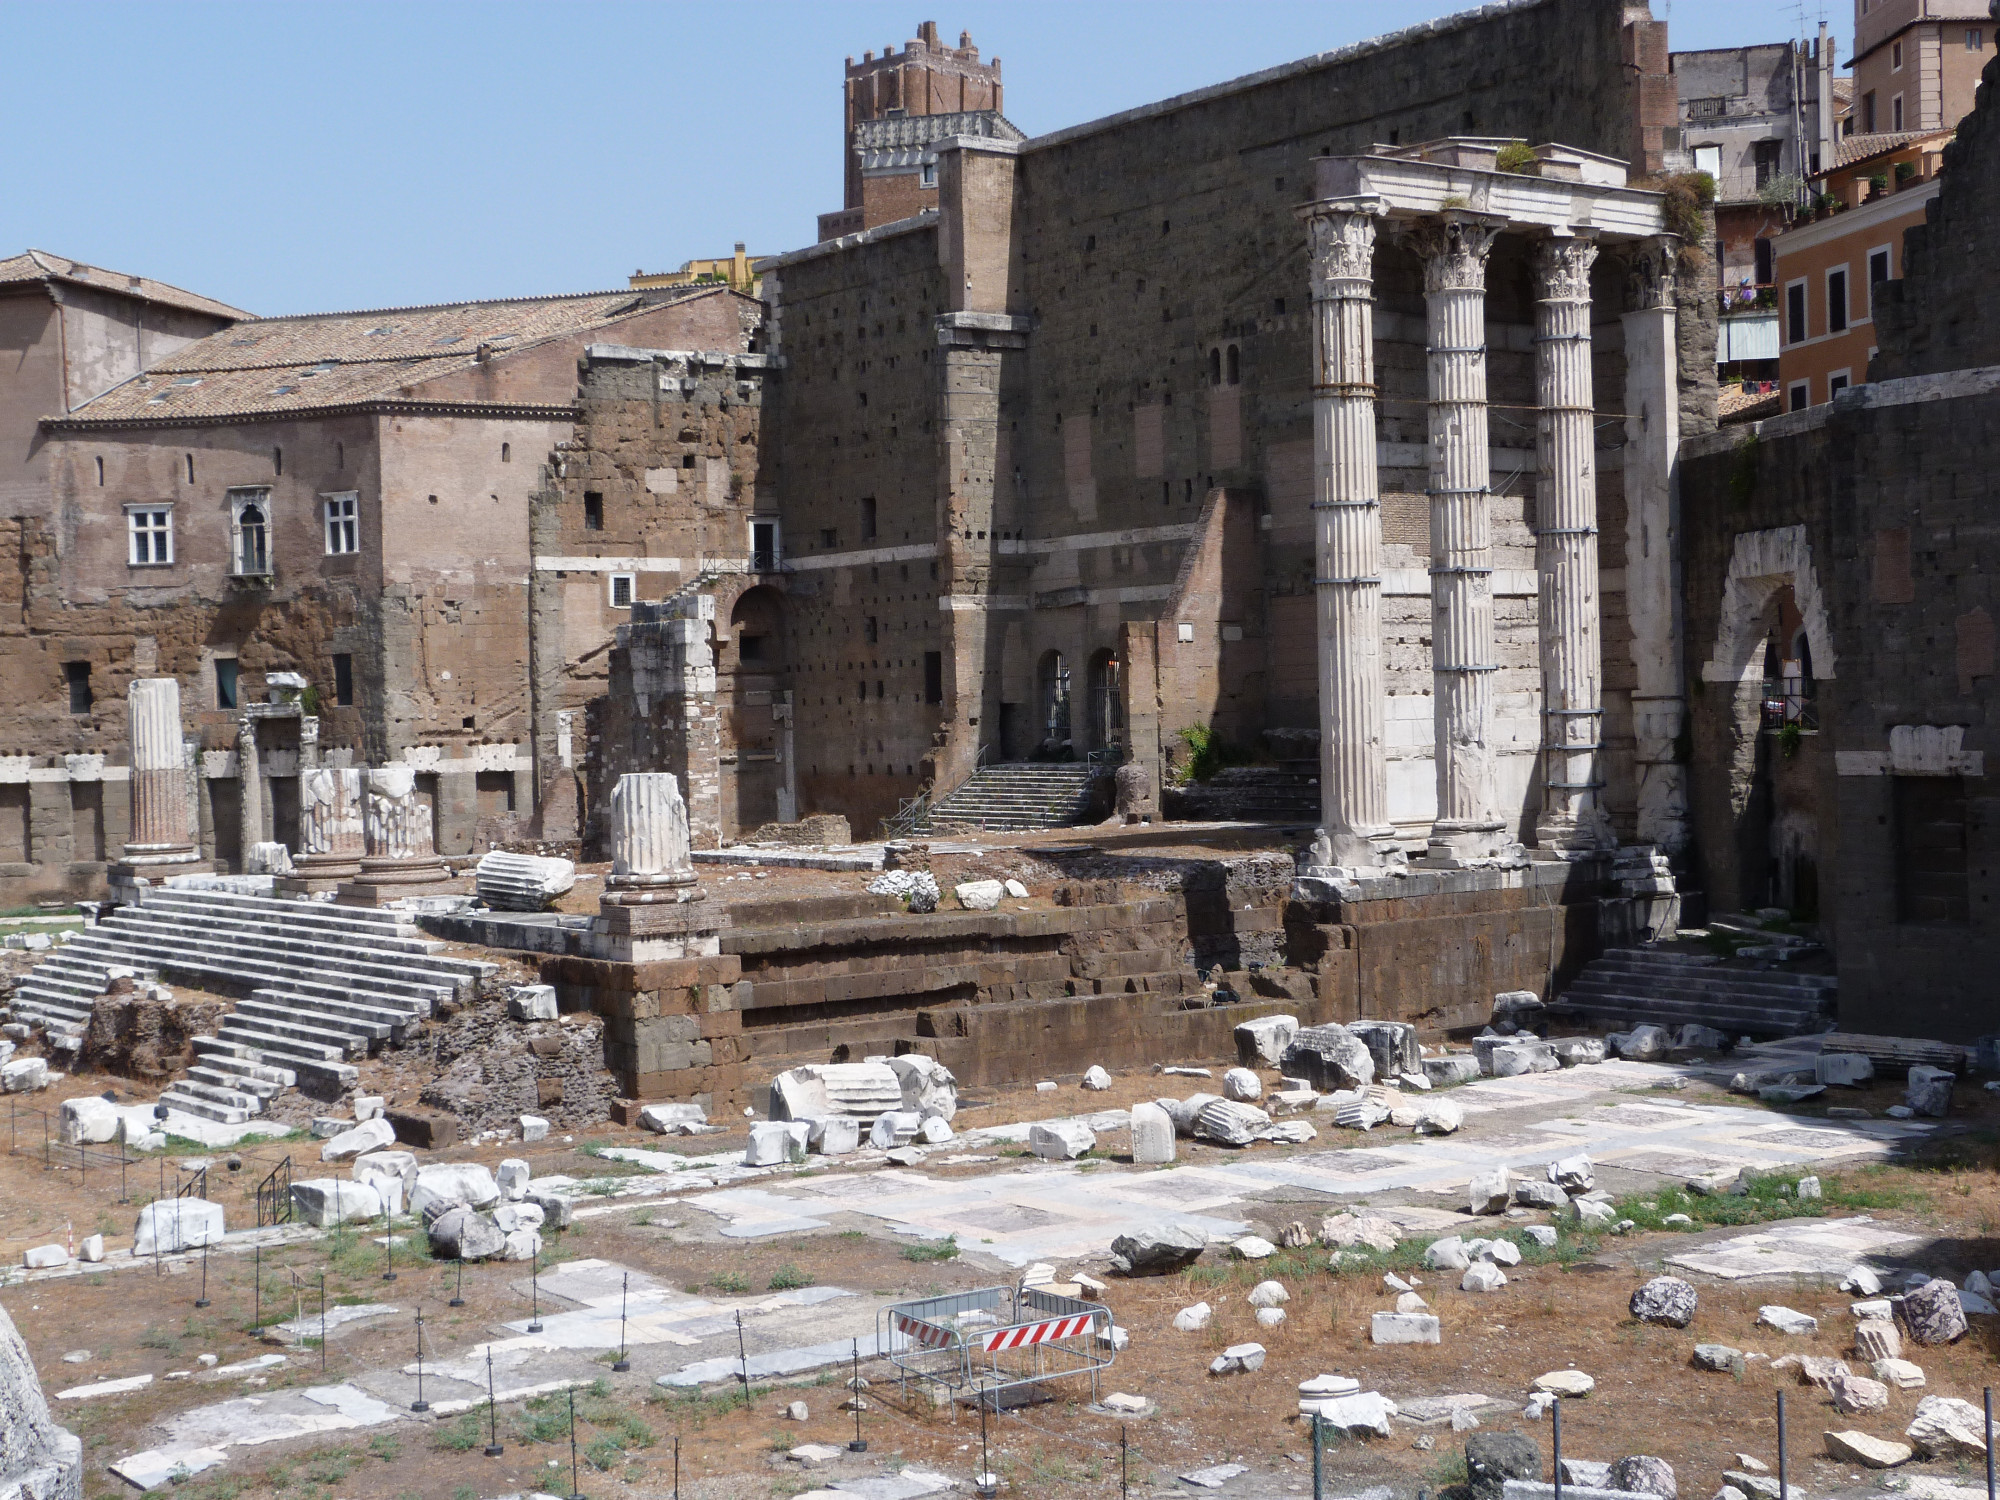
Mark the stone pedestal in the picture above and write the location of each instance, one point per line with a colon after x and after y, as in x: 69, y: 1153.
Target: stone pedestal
x: 160, y: 845
x: 1468, y: 828
x: 1572, y: 816
x: 398, y: 858
x: 331, y: 837
x: 652, y: 907
x: 1347, y: 528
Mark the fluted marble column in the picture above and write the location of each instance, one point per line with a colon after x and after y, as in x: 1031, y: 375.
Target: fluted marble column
x: 1652, y: 512
x: 331, y: 836
x: 159, y: 775
x: 1572, y: 815
x: 1347, y: 527
x: 649, y: 840
x: 1454, y: 249
x: 397, y: 845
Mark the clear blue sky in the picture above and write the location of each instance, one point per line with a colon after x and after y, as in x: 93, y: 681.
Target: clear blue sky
x: 294, y: 156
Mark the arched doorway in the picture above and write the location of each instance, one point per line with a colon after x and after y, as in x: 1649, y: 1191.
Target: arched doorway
x: 751, y: 680
x: 1107, y: 702
x: 1052, y: 699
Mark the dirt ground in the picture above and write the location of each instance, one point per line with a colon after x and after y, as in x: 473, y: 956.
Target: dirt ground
x: 1561, y: 1310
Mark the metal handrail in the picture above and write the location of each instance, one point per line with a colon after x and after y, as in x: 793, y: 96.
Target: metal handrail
x: 276, y: 1192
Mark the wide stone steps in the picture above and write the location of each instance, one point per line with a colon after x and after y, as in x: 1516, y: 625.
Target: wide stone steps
x: 1631, y: 986
x: 251, y: 1049
x: 393, y: 958
x: 1016, y: 797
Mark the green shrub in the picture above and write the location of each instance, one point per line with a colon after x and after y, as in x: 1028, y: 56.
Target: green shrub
x: 1515, y: 156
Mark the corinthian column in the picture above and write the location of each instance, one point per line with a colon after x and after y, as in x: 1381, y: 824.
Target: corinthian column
x: 1347, y: 526
x: 159, y: 775
x: 1454, y: 250
x: 1572, y: 816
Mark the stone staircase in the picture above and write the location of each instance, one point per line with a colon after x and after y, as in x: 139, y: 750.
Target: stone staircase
x: 1284, y: 793
x: 322, y: 985
x: 1016, y: 796
x: 1670, y: 987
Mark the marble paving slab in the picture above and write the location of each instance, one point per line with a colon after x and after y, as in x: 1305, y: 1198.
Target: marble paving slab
x: 1817, y: 1247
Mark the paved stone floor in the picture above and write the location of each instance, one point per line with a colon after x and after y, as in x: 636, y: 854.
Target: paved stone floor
x: 1020, y: 1211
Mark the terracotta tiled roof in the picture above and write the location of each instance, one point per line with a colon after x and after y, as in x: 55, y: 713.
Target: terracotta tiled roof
x: 319, y: 360
x: 39, y: 265
x: 1851, y: 149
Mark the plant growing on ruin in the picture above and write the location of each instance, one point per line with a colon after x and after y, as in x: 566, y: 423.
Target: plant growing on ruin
x: 1686, y: 198
x: 1515, y: 156
x: 1788, y: 739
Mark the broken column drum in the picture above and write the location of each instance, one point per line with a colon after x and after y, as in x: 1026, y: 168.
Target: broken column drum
x: 649, y: 840
x: 331, y: 838
x: 1454, y: 250
x: 396, y: 830
x: 1347, y: 527
x: 159, y: 775
x: 1572, y: 817
x: 249, y: 783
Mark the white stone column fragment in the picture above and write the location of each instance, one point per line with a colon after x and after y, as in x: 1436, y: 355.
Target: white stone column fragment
x: 649, y: 840
x: 1347, y: 528
x: 397, y: 843
x: 249, y: 785
x: 1572, y: 816
x: 331, y: 837
x: 1652, y: 444
x: 159, y: 775
x: 1454, y: 249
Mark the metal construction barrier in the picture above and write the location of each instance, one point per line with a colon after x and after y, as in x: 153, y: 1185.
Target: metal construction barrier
x: 982, y: 1342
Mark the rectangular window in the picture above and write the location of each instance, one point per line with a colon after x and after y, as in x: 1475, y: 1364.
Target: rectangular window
x: 1837, y: 382
x: 1795, y: 313
x: 343, y: 680
x: 1761, y: 250
x: 76, y: 676
x: 933, y: 677
x: 1930, y: 850
x: 868, y: 519
x: 1836, y: 300
x: 621, y: 590
x: 494, y: 792
x: 343, y: 523
x: 150, y: 535
x: 1895, y: 57
x: 1878, y: 272
x: 868, y: 630
x: 593, y: 511
x: 1800, y: 396
x: 225, y: 682
x: 1868, y: 113
x: 250, y: 533
x: 1708, y: 159
x: 1896, y: 113
x: 764, y: 547
x: 1975, y: 39
x: 1769, y: 158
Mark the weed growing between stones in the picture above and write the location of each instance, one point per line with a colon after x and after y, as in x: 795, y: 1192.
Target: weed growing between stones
x: 788, y: 1278
x: 932, y: 1250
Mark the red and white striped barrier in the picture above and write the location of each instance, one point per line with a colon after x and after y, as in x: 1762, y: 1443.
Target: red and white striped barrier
x: 923, y: 1335
x: 1036, y: 1333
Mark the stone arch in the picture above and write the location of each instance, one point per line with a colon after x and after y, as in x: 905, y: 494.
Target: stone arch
x: 1761, y: 563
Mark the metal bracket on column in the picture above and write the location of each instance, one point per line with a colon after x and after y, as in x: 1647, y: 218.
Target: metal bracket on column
x: 1560, y: 338
x: 1347, y: 388
x: 1454, y: 349
x: 1345, y: 505
x: 1471, y: 572
x: 1567, y: 531
x: 1326, y: 581
x: 1483, y: 489
x: 1492, y: 668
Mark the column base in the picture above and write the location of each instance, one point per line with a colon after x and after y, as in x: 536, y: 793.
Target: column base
x: 384, y: 880
x: 1463, y: 847
x: 169, y: 859
x: 314, y: 873
x: 665, y: 925
x: 1574, y: 838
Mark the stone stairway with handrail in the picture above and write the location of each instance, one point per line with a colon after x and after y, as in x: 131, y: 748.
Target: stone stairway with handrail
x: 321, y: 985
x: 1016, y: 796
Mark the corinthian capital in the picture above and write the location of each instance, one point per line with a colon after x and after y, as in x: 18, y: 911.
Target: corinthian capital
x: 1562, y: 268
x: 1649, y: 273
x: 1454, y: 250
x: 1342, y: 244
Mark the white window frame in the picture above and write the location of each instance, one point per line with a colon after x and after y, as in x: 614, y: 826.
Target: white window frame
x: 157, y: 535
x: 1795, y: 388
x: 1844, y: 376
x: 612, y: 581
x: 341, y: 511
x: 1703, y: 152
x: 1846, y: 274
x: 1975, y: 39
x: 241, y: 499
x: 927, y: 173
x: 777, y: 542
x: 1896, y: 113
x: 1869, y: 261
